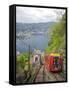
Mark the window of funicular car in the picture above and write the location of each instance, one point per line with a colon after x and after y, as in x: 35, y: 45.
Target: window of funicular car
x: 56, y: 60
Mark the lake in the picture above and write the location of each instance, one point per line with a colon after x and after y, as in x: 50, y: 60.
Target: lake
x: 39, y: 41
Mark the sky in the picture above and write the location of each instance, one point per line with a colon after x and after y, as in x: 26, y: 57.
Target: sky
x: 37, y: 15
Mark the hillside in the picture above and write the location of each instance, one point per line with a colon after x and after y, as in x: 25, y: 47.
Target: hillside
x: 57, y: 35
x: 32, y: 26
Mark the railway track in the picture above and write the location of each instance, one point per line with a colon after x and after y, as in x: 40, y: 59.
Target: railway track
x: 39, y: 73
x: 49, y: 76
x: 58, y: 77
x: 45, y: 76
x: 39, y: 76
x: 34, y: 72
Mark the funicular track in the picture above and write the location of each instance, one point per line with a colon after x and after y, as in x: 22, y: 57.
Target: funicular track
x: 40, y: 73
x: 35, y: 74
x: 43, y: 75
x: 50, y: 76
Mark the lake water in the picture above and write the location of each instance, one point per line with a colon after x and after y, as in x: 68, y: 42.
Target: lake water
x: 35, y: 42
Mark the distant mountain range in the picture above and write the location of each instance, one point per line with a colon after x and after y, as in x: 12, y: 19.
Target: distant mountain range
x: 32, y: 27
x: 25, y: 30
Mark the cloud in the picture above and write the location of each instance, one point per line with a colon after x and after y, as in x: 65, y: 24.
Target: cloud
x: 36, y: 15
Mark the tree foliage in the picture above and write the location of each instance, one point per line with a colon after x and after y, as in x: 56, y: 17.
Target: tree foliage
x: 57, y: 34
x: 21, y: 61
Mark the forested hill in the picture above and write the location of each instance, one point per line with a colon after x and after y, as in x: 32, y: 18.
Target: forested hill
x: 57, y: 34
x: 33, y: 26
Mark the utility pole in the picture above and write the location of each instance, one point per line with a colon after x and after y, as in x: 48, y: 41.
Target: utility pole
x: 29, y: 61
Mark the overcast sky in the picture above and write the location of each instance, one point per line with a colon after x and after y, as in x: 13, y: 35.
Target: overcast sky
x: 36, y: 15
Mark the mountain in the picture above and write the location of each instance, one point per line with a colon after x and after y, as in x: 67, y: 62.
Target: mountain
x: 32, y: 27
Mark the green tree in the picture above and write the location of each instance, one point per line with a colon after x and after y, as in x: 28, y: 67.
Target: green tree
x: 57, y: 34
